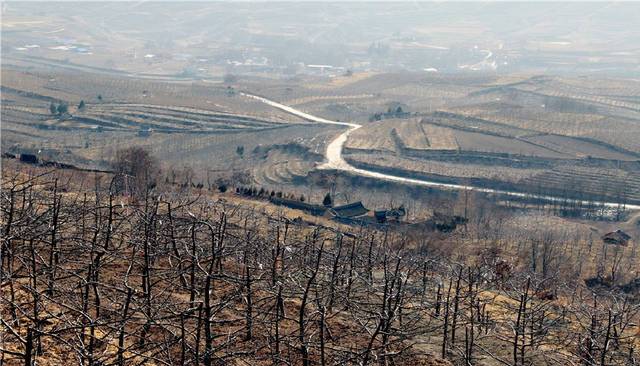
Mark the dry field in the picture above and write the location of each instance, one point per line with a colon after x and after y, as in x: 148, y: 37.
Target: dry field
x: 545, y: 130
x: 186, y: 125
x: 519, y: 130
x: 194, y: 277
x: 416, y: 167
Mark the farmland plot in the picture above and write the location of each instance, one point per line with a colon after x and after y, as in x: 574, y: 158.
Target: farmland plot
x: 597, y: 182
x: 440, y: 138
x: 577, y: 148
x: 282, y: 168
x: 619, y: 132
x: 71, y: 88
x: 411, y: 134
x: 375, y: 136
x: 415, y: 167
x: 183, y: 125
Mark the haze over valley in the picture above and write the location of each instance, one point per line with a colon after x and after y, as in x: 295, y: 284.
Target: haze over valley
x: 313, y: 183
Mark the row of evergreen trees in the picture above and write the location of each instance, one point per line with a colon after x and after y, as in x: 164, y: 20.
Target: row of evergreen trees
x: 251, y: 191
x: 265, y: 193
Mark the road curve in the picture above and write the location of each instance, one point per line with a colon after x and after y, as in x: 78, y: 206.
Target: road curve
x: 335, y: 160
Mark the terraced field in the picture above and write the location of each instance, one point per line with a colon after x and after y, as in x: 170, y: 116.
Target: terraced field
x: 414, y: 167
x: 200, y: 129
x: 285, y: 168
x: 411, y: 134
x: 568, y: 136
x: 440, y: 138
x: 373, y: 137
x: 136, y: 117
x: 54, y: 85
x: 534, y: 132
x: 591, y: 182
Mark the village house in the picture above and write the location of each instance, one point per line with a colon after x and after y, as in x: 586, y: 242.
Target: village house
x: 350, y: 210
x: 617, y: 237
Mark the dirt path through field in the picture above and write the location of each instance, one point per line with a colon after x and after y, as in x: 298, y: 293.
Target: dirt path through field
x: 335, y: 160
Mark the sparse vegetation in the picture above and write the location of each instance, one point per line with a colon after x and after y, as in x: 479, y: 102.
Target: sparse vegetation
x: 282, y: 290
x: 62, y: 108
x: 178, y: 188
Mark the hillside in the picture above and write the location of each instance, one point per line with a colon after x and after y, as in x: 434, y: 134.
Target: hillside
x: 191, y: 276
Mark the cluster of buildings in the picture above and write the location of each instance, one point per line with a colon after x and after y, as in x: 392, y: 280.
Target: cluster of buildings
x: 354, y: 213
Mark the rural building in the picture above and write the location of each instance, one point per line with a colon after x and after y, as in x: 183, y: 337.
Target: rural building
x: 393, y: 215
x: 320, y: 68
x: 29, y: 158
x: 617, y: 237
x: 349, y: 210
x: 315, y: 210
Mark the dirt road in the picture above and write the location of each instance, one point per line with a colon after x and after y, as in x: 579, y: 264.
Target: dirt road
x: 334, y: 158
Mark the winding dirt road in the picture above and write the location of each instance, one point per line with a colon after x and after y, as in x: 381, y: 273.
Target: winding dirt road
x: 335, y: 160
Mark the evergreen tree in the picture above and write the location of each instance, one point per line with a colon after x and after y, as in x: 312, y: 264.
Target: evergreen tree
x: 63, y: 108
x: 327, y: 201
x: 240, y: 151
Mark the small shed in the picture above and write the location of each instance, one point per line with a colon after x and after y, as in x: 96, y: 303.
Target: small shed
x: 617, y: 237
x: 354, y: 209
x: 394, y: 214
x: 29, y: 158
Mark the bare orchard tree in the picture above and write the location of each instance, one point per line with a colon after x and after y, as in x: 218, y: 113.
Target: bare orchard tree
x: 137, y: 171
x: 90, y: 277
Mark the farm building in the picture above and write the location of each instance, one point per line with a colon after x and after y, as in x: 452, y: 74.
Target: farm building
x: 349, y: 210
x: 315, y: 210
x: 394, y: 214
x: 617, y: 237
x: 29, y: 158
